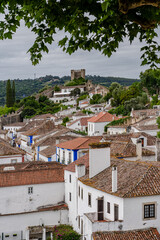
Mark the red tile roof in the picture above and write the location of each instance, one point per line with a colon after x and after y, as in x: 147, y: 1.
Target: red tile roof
x: 31, y: 173
x: 103, y: 117
x: 143, y: 234
x: 82, y: 160
x: 83, y: 121
x: 41, y: 129
x: 135, y: 179
x: 79, y: 143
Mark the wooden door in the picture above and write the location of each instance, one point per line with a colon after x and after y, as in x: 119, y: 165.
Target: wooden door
x: 116, y: 212
x: 100, y: 210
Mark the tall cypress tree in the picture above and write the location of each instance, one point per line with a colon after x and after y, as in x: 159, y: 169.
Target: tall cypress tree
x: 9, y: 94
x: 13, y: 93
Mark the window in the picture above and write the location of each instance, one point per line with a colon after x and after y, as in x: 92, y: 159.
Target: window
x: 69, y: 157
x: 70, y: 178
x: 63, y: 155
x: 108, y: 207
x: 30, y: 190
x: 81, y: 193
x: 78, y: 221
x: 70, y: 197
x: 89, y: 199
x: 13, y: 160
x: 81, y: 226
x: 149, y: 211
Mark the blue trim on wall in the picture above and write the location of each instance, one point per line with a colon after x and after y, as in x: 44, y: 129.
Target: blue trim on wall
x: 75, y: 154
x: 30, y: 140
x: 38, y: 149
x: 56, y: 154
x: 49, y: 159
x: 69, y: 149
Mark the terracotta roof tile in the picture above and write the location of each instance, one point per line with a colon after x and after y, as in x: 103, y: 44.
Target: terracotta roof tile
x: 83, y: 121
x: 42, y: 116
x: 79, y: 143
x: 31, y: 173
x: 145, y: 112
x: 134, y: 178
x: 151, y: 140
x: 103, y: 117
x: 6, y: 149
x: 30, y: 125
x: 51, y: 140
x: 17, y: 124
x: 49, y: 151
x: 143, y: 234
x: 41, y: 129
x: 82, y: 160
x: 127, y: 149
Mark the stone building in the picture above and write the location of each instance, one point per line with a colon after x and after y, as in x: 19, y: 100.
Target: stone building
x: 75, y: 74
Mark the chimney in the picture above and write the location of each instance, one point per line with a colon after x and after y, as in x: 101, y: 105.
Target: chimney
x: 114, y: 179
x: 158, y: 150
x: 99, y: 158
x: 80, y: 170
x: 57, y: 141
x: 139, y: 149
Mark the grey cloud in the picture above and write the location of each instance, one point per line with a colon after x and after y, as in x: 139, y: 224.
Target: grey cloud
x: 15, y: 62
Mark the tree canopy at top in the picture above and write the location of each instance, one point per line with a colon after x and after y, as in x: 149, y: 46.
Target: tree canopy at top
x: 91, y: 24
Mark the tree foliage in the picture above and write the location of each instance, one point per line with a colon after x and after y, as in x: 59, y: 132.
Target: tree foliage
x: 32, y: 107
x: 125, y: 99
x: 75, y: 92
x: 150, y: 79
x: 91, y: 24
x: 27, y: 87
x: 10, y: 93
x: 97, y: 98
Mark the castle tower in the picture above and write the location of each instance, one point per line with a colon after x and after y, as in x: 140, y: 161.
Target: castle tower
x: 75, y: 74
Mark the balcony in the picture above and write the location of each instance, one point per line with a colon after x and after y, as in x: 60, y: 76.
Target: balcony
x: 103, y: 225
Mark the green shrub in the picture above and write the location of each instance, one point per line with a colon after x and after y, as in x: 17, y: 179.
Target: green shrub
x: 65, y: 232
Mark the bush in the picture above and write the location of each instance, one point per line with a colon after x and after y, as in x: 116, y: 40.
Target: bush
x: 65, y: 232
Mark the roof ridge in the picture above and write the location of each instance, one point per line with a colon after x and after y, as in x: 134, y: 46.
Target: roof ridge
x: 142, y: 178
x: 84, y: 141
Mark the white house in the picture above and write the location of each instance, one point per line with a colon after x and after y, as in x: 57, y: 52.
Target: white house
x: 28, y: 138
x: 13, y: 128
x: 29, y: 197
x: 3, y: 134
x: 70, y: 151
x: 95, y: 108
x: 9, y: 154
x: 149, y: 129
x: 106, y: 195
x: 80, y: 124
x: 97, y: 123
x: 118, y: 129
x: 64, y: 93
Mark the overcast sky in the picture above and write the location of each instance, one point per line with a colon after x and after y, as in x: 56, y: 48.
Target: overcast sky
x: 15, y: 61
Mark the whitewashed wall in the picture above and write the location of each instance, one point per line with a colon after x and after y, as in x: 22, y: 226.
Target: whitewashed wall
x: 114, y: 130
x: 96, y: 128
x: 10, y: 159
x: 72, y: 205
x: 17, y: 224
x: 133, y: 213
x: 16, y: 199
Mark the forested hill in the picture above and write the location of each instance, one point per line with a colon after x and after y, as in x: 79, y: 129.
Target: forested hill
x: 106, y: 81
x: 27, y: 87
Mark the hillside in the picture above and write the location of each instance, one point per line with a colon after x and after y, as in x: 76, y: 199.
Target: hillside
x: 28, y: 87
